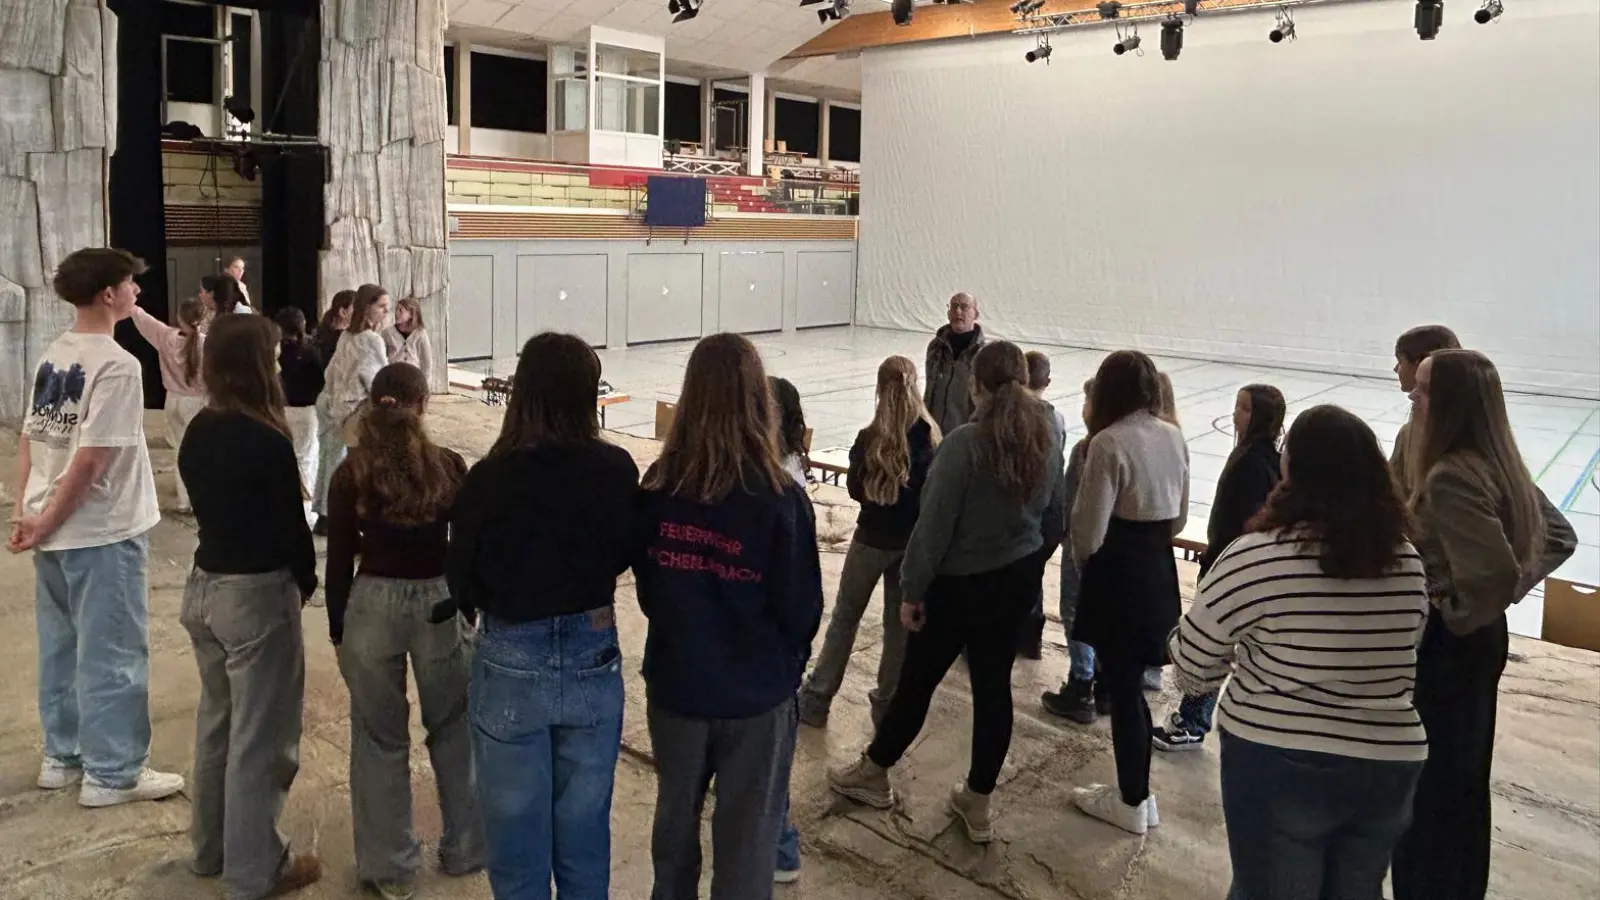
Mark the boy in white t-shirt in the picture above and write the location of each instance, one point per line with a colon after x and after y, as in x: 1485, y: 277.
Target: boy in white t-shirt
x: 85, y: 498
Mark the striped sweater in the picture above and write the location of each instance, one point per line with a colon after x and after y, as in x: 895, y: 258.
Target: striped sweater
x: 1319, y: 663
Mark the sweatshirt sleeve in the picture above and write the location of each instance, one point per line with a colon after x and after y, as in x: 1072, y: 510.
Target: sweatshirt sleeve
x: 936, y: 522
x: 1054, y: 523
x: 1096, y: 499
x: 852, y: 477
x: 1483, y: 571
x: 343, y: 536
x: 1560, y: 542
x: 795, y: 591
x: 374, y: 359
x: 425, y: 355
x: 288, y: 495
x: 1202, y: 646
x: 157, y: 332
x: 466, y: 524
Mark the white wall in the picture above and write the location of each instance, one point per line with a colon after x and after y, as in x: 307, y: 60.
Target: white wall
x: 510, y: 144
x: 1299, y: 204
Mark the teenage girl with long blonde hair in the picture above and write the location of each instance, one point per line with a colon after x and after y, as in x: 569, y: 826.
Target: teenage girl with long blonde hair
x: 888, y: 463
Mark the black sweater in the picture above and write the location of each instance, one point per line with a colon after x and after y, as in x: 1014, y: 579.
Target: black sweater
x: 542, y: 531
x: 300, y: 368
x: 889, y: 527
x: 733, y: 591
x: 1241, y: 492
x: 244, y: 484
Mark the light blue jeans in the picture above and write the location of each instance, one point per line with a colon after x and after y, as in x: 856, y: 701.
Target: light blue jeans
x: 546, y: 711
x: 1080, y: 654
x: 93, y: 616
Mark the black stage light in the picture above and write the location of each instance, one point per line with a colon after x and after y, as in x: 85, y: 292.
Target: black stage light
x: 239, y: 110
x: 901, y: 10
x: 811, y: 2
x: 1040, y: 52
x: 1171, y: 38
x: 1131, y: 42
x: 1191, y: 7
x: 1488, y: 12
x: 1430, y: 16
x: 687, y: 9
x: 1108, y: 8
x: 1282, y: 31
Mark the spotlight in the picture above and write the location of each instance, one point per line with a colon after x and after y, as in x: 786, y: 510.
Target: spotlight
x: 1040, y: 52
x: 1026, y: 8
x: 1282, y: 31
x: 1171, y: 38
x: 1191, y: 7
x: 684, y: 9
x: 1430, y: 16
x: 239, y: 110
x: 1108, y: 8
x: 1125, y: 44
x: 901, y: 10
x: 1488, y: 12
x: 837, y: 11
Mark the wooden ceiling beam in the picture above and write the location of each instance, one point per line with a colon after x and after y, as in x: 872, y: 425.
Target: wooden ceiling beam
x: 863, y: 30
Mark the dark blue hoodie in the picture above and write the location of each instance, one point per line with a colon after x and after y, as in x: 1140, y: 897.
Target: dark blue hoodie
x: 733, y: 591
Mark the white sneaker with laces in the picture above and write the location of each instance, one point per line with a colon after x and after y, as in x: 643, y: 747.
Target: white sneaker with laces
x: 55, y: 774
x: 152, y: 785
x: 1104, y: 802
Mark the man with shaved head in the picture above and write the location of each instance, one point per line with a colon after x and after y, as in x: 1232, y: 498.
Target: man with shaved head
x: 947, y: 389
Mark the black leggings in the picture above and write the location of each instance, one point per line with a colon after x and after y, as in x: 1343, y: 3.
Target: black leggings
x: 982, y: 615
x: 1121, y: 678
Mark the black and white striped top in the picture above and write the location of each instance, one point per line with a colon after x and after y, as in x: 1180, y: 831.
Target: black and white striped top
x: 1319, y: 663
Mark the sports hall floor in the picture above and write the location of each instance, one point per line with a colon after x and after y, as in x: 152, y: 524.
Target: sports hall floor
x: 834, y: 370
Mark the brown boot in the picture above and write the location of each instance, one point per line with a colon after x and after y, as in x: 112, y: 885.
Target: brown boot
x: 303, y: 870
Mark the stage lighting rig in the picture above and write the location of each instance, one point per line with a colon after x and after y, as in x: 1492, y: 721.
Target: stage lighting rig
x: 1171, y: 38
x: 1430, y: 17
x: 1040, y: 52
x: 837, y: 10
x: 901, y: 10
x: 1488, y: 12
x: 684, y: 10
x: 1108, y: 9
x: 1284, y: 30
x: 1027, y: 9
x: 1127, y: 42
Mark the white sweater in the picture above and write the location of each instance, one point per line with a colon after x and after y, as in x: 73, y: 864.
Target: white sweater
x: 1319, y: 663
x: 1138, y: 470
x: 413, y: 348
x: 356, y: 361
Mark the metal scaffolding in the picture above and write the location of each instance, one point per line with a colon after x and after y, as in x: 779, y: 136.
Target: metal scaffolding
x: 1049, y: 23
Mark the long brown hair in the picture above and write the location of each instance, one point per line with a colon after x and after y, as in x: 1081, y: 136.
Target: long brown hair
x: 366, y: 295
x: 402, y: 477
x: 1341, y: 492
x: 240, y: 368
x: 1014, y: 430
x: 725, y: 433
x: 1466, y: 420
x: 1169, y: 401
x: 1126, y: 382
x: 553, y: 394
x: 886, y: 466
x: 328, y: 329
x: 227, y: 296
x: 191, y: 315
x: 413, y: 306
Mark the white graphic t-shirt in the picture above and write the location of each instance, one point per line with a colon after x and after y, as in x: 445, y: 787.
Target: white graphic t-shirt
x: 88, y: 392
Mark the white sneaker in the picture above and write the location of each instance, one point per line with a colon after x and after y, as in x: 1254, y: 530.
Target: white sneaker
x: 152, y: 785
x: 1151, y: 814
x: 1104, y: 802
x: 785, y: 876
x: 55, y: 774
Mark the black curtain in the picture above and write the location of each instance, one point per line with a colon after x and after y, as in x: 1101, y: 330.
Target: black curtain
x: 138, y: 214
x: 291, y: 181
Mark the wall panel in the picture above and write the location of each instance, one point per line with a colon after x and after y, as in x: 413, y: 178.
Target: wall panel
x: 562, y: 292
x: 827, y: 288
x: 751, y: 292
x: 472, y: 307
x: 1298, y: 204
x: 664, y: 296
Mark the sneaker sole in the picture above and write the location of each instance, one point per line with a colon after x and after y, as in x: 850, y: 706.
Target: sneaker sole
x: 61, y: 785
x: 864, y: 797
x: 1176, y: 748
x: 782, y: 877
x: 103, y: 802
x: 974, y: 835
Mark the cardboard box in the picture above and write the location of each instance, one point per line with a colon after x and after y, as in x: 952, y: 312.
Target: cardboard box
x: 1571, y: 614
x: 665, y: 414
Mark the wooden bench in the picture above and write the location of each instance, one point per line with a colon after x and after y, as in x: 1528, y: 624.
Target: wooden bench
x: 831, y: 465
x: 496, y: 391
x: 1190, y: 548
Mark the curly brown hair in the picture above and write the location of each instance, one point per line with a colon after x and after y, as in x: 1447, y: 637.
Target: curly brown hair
x: 1014, y: 430
x: 1340, y: 491
x: 402, y: 477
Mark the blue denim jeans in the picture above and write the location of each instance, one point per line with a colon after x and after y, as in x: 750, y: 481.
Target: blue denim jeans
x: 94, y: 705
x: 1080, y: 654
x: 1311, y: 826
x: 545, y: 705
x: 789, y: 837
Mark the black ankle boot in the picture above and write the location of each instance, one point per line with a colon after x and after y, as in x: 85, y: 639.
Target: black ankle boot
x: 1075, y: 702
x: 1030, y: 643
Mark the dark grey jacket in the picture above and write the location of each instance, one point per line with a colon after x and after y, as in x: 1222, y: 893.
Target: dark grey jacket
x: 947, y: 385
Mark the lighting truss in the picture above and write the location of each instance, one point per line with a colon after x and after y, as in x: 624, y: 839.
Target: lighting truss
x: 1161, y: 9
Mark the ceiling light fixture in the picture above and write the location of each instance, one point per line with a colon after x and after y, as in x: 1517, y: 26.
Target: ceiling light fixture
x: 1430, y: 17
x: 1040, y: 52
x: 838, y: 10
x: 1126, y: 42
x: 1284, y: 30
x: 684, y: 10
x: 901, y: 10
x: 1171, y: 38
x: 1488, y: 12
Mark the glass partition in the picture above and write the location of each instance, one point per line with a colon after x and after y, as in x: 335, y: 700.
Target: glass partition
x: 627, y: 86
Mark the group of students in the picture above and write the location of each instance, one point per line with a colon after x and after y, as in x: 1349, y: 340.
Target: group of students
x: 1345, y: 742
